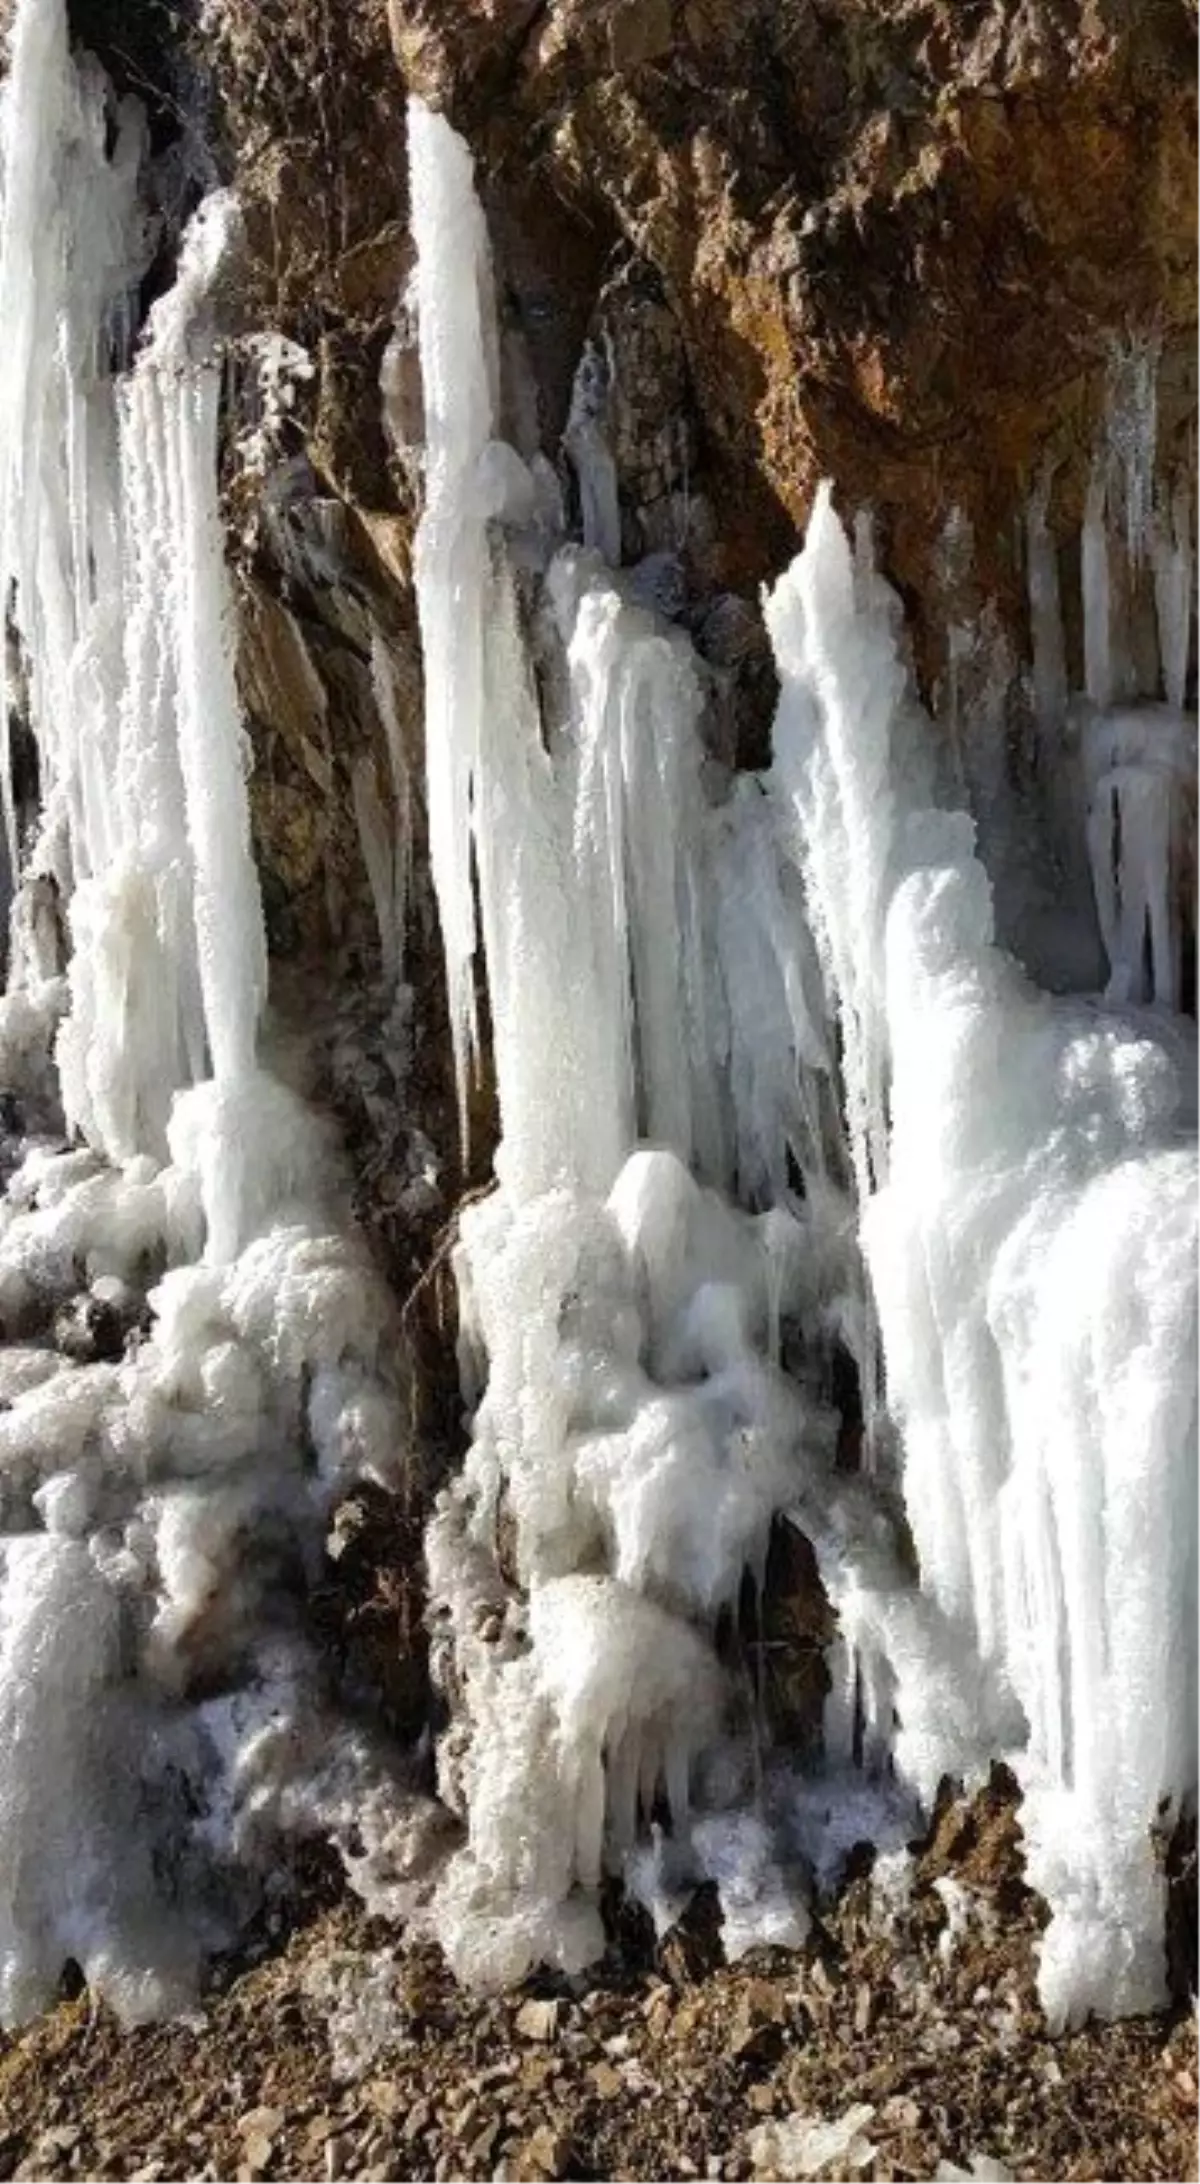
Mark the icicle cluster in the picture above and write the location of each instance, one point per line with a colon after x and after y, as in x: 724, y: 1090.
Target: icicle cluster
x: 1032, y: 1253
x: 197, y: 1358
x: 646, y: 1357
x: 637, y: 1428
x: 1118, y: 757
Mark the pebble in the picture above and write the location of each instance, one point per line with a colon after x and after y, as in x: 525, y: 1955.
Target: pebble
x: 417, y: 2121
x: 266, y: 2120
x: 465, y: 2120
x: 538, y: 2020
x: 481, y: 2149
x: 545, y: 2153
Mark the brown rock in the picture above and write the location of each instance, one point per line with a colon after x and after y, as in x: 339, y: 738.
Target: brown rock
x: 640, y: 30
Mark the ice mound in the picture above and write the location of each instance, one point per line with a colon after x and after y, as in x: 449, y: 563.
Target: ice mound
x: 639, y: 1440
x: 158, y: 1516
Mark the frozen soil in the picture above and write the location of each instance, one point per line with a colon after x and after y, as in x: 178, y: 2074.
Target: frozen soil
x: 329, y: 2051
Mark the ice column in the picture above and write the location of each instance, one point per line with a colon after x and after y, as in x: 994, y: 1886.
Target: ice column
x: 1173, y: 592
x: 111, y: 548
x: 1097, y: 598
x: 212, y: 746
x: 452, y: 291
x: 71, y: 210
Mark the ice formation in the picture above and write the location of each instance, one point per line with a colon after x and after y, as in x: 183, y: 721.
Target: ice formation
x: 637, y: 1428
x: 1032, y: 1257
x: 162, y: 1711
x: 772, y: 1099
x: 649, y: 1362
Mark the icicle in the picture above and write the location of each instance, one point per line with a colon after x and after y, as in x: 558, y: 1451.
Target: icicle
x: 1045, y: 610
x: 383, y: 685
x: 1173, y: 593
x: 1132, y: 434
x: 1139, y: 762
x: 452, y: 292
x: 1097, y: 642
x: 377, y: 841
x: 212, y: 754
x: 587, y: 445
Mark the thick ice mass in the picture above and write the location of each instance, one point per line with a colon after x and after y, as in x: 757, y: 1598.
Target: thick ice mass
x: 1031, y: 1249
x: 627, y: 1317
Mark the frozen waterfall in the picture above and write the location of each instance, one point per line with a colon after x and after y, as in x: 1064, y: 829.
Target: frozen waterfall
x: 813, y: 1214
x: 1000, y: 1228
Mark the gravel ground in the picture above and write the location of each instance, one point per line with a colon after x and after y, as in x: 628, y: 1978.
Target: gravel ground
x: 331, y: 2052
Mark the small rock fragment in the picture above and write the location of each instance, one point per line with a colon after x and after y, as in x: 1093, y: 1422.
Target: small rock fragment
x: 538, y: 2020
x: 981, y: 2168
x: 545, y: 2153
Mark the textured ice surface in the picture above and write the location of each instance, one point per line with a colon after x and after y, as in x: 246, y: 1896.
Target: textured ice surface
x: 647, y: 1360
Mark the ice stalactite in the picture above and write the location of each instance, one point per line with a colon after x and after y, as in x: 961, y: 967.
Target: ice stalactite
x: 160, y: 1503
x: 1174, y: 597
x: 1131, y: 418
x: 59, y: 554
x: 1050, y: 685
x: 1139, y: 764
x: 451, y: 567
x: 586, y: 442
x: 393, y: 888
x: 1097, y: 591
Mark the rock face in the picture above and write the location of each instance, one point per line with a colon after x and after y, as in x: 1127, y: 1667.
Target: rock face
x: 893, y: 243
x: 896, y: 239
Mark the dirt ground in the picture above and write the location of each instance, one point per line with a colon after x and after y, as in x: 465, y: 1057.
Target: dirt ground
x: 331, y: 2052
